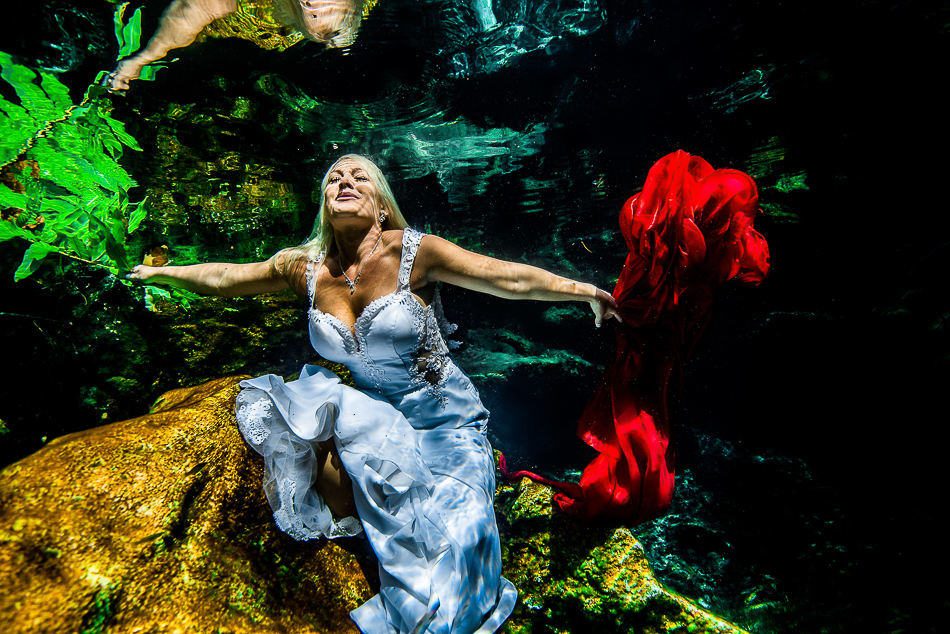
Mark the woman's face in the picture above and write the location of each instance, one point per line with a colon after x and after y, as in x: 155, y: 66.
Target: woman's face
x: 350, y: 195
x: 332, y: 22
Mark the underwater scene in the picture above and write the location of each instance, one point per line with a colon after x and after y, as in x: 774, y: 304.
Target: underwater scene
x: 799, y: 381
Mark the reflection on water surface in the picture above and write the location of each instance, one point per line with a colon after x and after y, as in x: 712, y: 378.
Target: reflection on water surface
x: 519, y: 128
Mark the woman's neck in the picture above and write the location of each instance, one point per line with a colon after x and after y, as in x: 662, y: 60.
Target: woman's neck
x: 355, y: 246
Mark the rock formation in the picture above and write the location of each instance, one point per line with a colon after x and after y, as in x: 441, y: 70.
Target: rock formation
x: 159, y: 523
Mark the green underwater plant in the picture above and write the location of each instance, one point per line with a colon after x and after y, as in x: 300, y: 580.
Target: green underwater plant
x: 65, y: 192
x: 129, y: 37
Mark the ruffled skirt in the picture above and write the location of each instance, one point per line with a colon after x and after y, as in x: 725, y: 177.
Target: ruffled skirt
x: 424, y: 498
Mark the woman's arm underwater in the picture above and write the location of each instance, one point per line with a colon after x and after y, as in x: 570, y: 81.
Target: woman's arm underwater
x: 219, y: 278
x: 180, y: 24
x: 439, y: 260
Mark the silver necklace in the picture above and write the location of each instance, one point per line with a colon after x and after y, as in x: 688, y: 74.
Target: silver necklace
x: 352, y: 283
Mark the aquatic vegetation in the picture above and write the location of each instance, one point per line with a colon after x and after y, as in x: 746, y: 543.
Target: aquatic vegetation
x: 129, y: 36
x: 65, y: 190
x: 763, y: 159
x: 67, y: 193
x: 576, y: 577
x: 791, y: 182
x: 556, y: 314
x: 103, y: 604
x: 777, y: 212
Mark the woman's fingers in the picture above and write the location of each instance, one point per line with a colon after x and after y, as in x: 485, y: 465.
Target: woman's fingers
x: 605, y: 307
x: 137, y: 273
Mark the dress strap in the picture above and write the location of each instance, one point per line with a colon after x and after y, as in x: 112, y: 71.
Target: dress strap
x: 410, y: 244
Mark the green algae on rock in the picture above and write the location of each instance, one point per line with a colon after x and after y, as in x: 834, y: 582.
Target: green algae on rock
x: 577, y: 577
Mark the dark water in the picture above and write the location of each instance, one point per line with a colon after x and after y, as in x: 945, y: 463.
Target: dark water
x: 810, y: 427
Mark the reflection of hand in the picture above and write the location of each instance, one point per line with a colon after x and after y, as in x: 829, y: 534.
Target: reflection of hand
x: 128, y: 70
x: 605, y: 307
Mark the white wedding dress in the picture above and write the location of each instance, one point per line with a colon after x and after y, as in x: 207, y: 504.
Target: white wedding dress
x: 412, y: 441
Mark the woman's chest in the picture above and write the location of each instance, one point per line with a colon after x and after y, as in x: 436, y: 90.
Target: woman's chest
x: 390, y: 328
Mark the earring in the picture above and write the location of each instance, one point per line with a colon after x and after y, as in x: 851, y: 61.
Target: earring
x: 382, y: 218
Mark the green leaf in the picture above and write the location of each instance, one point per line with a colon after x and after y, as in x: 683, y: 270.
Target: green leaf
x: 32, y: 97
x: 81, y: 190
x: 130, y: 38
x: 149, y: 71
x: 118, y: 128
x: 61, y: 166
x: 9, y: 198
x: 114, y: 250
x: 57, y: 92
x: 138, y: 215
x: 96, y: 88
x: 117, y: 22
x: 62, y: 215
x: 58, y: 206
x: 77, y: 245
x: 183, y: 297
x: 10, y: 229
x: 170, y: 294
x: 32, y: 259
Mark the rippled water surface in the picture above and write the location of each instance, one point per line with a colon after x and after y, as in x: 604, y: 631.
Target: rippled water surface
x: 808, y: 448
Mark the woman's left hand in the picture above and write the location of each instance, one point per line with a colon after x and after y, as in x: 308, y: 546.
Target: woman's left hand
x: 605, y: 307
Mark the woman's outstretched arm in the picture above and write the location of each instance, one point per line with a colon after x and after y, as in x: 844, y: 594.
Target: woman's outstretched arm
x: 439, y: 260
x: 181, y: 23
x: 219, y: 278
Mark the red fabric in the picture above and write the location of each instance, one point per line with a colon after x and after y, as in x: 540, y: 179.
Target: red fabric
x: 688, y: 232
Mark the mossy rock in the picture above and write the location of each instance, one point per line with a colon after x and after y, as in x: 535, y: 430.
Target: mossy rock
x: 578, y: 577
x: 160, y: 523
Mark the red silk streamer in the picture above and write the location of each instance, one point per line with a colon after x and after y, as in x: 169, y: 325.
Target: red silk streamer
x: 688, y: 232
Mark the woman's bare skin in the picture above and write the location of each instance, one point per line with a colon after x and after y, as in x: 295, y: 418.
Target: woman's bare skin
x: 330, y: 22
x: 356, y: 215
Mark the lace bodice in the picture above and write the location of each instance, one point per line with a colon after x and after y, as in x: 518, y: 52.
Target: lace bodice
x: 399, y: 346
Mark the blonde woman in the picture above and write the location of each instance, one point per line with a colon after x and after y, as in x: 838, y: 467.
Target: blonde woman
x: 404, y: 456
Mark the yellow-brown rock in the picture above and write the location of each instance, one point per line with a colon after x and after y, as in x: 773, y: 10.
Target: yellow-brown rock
x: 159, y: 524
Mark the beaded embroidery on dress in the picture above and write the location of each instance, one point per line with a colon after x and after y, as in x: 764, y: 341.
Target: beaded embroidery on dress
x: 412, y: 438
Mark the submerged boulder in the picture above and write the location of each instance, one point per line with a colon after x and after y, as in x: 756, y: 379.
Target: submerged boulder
x: 574, y: 576
x: 159, y: 523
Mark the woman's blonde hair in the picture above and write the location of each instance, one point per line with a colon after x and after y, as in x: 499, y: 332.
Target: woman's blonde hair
x: 321, y: 238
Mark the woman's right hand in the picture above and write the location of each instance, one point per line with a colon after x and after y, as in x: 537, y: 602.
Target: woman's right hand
x: 128, y: 70
x: 141, y: 273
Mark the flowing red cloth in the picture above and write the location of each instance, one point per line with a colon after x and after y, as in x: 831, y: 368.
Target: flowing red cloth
x: 688, y: 232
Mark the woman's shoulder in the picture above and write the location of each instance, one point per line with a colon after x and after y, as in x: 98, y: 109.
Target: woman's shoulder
x: 292, y: 264
x: 287, y: 258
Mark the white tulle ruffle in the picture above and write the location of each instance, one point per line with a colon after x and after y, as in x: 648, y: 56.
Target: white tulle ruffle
x: 270, y: 418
